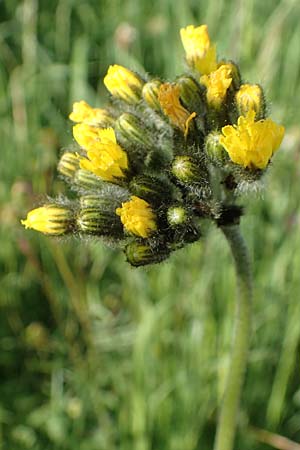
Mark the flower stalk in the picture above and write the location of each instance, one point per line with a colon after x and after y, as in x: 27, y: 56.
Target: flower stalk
x: 227, y: 422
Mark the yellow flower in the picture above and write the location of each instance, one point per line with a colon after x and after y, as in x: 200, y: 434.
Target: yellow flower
x: 251, y: 144
x: 88, y: 137
x: 105, y: 157
x: 123, y: 84
x: 200, y: 54
x: 49, y: 219
x: 217, y: 84
x: 168, y: 97
x: 84, y: 113
x: 137, y: 217
x: 249, y: 97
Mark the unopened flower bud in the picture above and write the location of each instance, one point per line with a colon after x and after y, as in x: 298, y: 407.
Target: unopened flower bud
x: 150, y: 94
x: 96, y: 201
x: 52, y: 219
x: 177, y: 216
x: 152, y: 189
x: 191, y: 94
x: 108, y: 199
x: 68, y: 164
x: 85, y: 179
x: 186, y: 169
x: 99, y: 219
x: 250, y: 97
x: 214, y: 150
x: 140, y: 254
x: 132, y: 132
x: 124, y: 84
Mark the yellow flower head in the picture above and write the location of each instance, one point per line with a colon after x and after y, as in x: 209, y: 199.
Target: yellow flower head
x: 84, y: 113
x: 200, y: 54
x: 249, y: 98
x: 105, y: 157
x: 168, y: 97
x: 137, y: 217
x: 123, y: 84
x: 251, y: 144
x: 49, y: 219
x: 217, y: 84
x: 87, y: 136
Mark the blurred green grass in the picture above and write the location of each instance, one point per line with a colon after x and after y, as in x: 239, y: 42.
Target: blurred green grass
x: 94, y: 354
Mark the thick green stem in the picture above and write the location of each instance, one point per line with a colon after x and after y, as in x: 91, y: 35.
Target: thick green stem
x: 230, y: 404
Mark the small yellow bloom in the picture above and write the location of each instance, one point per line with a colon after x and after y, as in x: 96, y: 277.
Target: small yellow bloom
x: 49, y: 219
x: 249, y: 98
x: 168, y: 97
x: 200, y: 54
x: 84, y: 113
x: 105, y: 157
x: 89, y: 137
x: 123, y: 84
x: 217, y: 84
x: 137, y: 217
x: 251, y: 144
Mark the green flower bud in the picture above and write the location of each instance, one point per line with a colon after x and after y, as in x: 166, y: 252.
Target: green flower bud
x: 138, y: 254
x: 187, y: 169
x: 150, y: 94
x: 191, y: 94
x: 184, y: 229
x: 132, y: 132
x: 87, y: 180
x: 99, y: 220
x: 177, y: 216
x: 68, y: 164
x: 152, y: 189
x: 156, y: 159
x: 214, y: 150
x: 98, y: 201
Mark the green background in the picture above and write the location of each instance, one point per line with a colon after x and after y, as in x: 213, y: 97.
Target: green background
x: 95, y: 355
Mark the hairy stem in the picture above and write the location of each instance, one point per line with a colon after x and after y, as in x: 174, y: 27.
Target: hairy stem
x: 230, y: 404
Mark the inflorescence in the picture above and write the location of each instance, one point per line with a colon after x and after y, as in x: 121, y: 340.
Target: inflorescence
x: 163, y: 156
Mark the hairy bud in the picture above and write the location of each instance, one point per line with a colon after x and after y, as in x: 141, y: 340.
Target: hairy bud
x: 68, y: 164
x: 152, y: 189
x: 132, y: 132
x: 150, y: 94
x: 186, y: 169
x: 141, y: 254
x: 214, y: 150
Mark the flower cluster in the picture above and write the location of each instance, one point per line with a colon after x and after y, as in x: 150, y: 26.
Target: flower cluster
x: 163, y: 156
